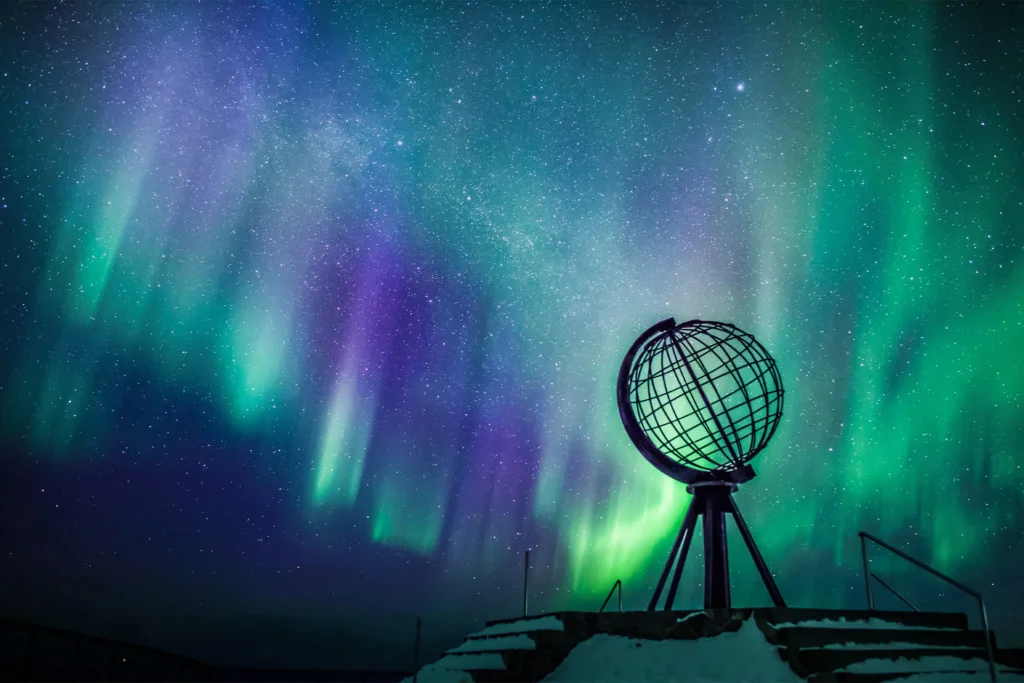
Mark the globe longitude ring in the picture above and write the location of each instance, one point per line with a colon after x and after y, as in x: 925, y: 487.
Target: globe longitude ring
x: 699, y: 399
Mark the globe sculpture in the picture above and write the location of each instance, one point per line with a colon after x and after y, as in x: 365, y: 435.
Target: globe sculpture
x: 700, y: 400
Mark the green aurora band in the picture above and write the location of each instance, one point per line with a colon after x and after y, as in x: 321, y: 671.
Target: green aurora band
x: 406, y: 253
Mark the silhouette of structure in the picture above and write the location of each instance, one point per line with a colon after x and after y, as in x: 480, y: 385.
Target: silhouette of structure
x: 700, y: 400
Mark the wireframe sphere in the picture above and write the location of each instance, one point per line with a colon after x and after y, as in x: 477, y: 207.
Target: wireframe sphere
x: 705, y: 394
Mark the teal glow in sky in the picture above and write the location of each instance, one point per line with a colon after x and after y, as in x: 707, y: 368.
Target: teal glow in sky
x: 314, y: 312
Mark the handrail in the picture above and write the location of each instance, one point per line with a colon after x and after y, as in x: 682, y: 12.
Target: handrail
x: 617, y: 584
x: 865, y: 536
x: 416, y: 652
x: 892, y: 590
x: 526, y: 581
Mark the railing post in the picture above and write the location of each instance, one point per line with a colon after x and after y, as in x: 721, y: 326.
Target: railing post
x: 867, y: 572
x: 617, y: 586
x: 526, y: 582
x: 993, y: 674
x: 988, y: 641
x: 416, y: 652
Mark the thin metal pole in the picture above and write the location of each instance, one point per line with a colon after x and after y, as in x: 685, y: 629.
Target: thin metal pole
x: 755, y: 554
x: 617, y: 585
x: 690, y: 528
x: 867, y: 572
x: 919, y: 563
x: 526, y: 582
x: 988, y: 642
x: 416, y: 653
x: 892, y: 590
x: 671, y: 559
x: 966, y: 589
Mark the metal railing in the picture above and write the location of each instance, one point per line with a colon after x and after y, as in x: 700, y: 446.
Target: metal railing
x: 416, y: 652
x: 892, y: 590
x: 617, y: 584
x: 526, y: 582
x: 865, y: 537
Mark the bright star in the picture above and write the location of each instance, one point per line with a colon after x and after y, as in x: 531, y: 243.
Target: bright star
x: 741, y: 87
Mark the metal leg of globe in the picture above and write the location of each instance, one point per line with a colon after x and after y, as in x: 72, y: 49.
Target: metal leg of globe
x: 685, y: 532
x: 712, y: 502
x: 762, y: 568
x: 689, y: 528
x: 716, y: 551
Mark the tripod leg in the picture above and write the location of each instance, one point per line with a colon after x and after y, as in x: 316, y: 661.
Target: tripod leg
x: 762, y: 568
x: 689, y: 527
x: 671, y: 559
x: 716, y: 551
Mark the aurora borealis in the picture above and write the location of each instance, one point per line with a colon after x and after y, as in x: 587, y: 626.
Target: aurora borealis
x: 313, y: 312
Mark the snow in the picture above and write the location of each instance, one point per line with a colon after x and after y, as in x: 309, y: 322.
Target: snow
x: 547, y: 623
x: 958, y: 677
x: 480, y: 651
x: 617, y: 659
x: 842, y: 622
x: 519, y: 641
x: 482, y: 660
x: 743, y: 655
x: 432, y: 674
x: 889, y: 646
x: 923, y: 664
x: 452, y: 668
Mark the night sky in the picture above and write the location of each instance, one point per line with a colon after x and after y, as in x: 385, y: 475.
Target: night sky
x: 312, y: 314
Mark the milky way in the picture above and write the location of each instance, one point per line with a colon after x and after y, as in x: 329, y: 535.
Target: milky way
x: 313, y: 313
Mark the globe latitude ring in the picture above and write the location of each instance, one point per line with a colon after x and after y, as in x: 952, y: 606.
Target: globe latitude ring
x: 699, y: 400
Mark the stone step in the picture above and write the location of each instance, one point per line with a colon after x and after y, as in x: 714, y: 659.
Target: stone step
x: 877, y: 618
x: 658, y: 621
x: 529, y: 649
x: 812, y: 661
x: 540, y: 639
x: 534, y: 665
x: 808, y: 636
x: 532, y: 645
x: 816, y: 662
x: 493, y: 676
x: 535, y: 619
x: 524, y: 655
x: 969, y: 676
x: 1011, y: 656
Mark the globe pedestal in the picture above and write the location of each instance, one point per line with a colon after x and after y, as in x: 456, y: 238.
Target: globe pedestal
x: 712, y: 500
x: 699, y: 400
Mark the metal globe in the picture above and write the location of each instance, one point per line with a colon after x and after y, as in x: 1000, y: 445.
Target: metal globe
x: 705, y: 395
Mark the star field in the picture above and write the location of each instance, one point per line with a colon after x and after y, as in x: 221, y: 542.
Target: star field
x: 312, y: 313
